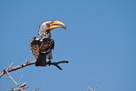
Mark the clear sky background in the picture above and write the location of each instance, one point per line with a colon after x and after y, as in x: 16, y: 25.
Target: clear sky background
x: 99, y: 43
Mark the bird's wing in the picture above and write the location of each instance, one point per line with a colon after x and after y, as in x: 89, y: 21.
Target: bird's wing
x: 34, y: 44
x: 52, y: 43
x: 47, y: 45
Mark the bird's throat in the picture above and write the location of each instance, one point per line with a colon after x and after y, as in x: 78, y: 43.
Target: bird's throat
x: 48, y: 31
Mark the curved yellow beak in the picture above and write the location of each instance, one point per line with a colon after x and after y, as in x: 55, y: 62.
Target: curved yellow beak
x: 57, y: 24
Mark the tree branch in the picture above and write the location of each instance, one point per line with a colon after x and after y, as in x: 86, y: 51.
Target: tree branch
x: 20, y: 79
x: 23, y: 86
x: 90, y: 89
x: 37, y: 89
x: 9, y: 69
x: 56, y: 64
x: 16, y: 67
x: 11, y: 77
x: 96, y: 86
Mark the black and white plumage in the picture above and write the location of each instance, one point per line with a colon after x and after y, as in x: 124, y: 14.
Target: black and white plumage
x: 42, y: 48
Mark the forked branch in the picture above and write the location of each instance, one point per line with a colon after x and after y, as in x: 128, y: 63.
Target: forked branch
x: 9, y: 69
x: 23, y: 86
x: 90, y: 89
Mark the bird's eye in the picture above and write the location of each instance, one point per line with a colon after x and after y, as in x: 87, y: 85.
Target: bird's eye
x: 48, y: 25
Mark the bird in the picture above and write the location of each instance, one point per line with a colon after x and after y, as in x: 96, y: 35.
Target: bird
x: 42, y: 48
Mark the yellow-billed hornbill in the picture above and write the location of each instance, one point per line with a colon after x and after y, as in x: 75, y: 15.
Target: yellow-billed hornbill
x: 42, y: 48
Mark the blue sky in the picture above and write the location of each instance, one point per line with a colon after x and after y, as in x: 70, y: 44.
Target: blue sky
x: 99, y: 43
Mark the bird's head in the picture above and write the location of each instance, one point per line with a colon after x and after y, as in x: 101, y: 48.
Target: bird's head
x: 46, y: 27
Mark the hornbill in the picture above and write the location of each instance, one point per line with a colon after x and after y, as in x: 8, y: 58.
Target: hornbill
x: 42, y: 48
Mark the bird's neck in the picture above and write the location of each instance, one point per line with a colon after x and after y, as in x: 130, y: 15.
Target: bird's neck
x: 43, y: 37
x: 46, y: 35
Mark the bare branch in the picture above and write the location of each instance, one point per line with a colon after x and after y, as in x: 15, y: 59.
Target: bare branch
x: 11, y: 77
x: 56, y: 64
x: 3, y: 72
x: 10, y: 66
x: 20, y: 79
x: 90, y: 89
x: 37, y: 89
x: 23, y: 86
x: 26, y: 62
x: 97, y: 86
x: 9, y: 69
x: 16, y: 67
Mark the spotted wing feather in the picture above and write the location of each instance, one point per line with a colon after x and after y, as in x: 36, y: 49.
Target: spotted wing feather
x: 47, y: 45
x: 34, y: 44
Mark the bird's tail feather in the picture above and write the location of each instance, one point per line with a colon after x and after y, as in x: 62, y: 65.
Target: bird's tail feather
x: 41, y: 61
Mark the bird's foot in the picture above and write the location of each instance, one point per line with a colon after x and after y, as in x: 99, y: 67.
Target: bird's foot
x: 49, y: 62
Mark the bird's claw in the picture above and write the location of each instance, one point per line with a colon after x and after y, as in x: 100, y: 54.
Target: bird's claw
x: 49, y: 63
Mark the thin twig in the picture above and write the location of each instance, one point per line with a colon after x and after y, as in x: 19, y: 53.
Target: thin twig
x: 97, y: 86
x: 26, y: 62
x: 10, y: 66
x: 56, y: 64
x: 20, y: 79
x: 36, y: 89
x: 23, y: 86
x: 90, y: 89
x: 11, y: 77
